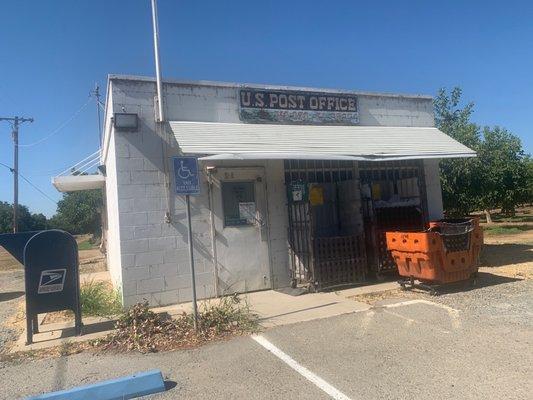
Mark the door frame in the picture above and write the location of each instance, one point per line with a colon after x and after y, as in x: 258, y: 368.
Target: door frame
x: 216, y: 179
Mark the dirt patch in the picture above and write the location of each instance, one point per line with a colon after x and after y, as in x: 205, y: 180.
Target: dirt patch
x: 8, y: 262
x: 91, y: 260
x: 372, y: 298
x: 509, y: 255
x: 520, y: 238
x: 58, y: 316
x: 518, y: 271
x: 15, y: 323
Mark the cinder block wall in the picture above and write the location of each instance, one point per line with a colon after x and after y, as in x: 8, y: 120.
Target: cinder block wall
x: 112, y: 227
x: 154, y: 260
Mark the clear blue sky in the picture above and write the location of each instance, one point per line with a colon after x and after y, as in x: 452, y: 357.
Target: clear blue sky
x: 52, y: 53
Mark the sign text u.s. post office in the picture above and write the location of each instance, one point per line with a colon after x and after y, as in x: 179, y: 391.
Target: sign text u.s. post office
x: 297, y: 107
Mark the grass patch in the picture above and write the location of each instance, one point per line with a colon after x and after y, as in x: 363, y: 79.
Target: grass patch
x: 85, y: 245
x: 142, y: 330
x: 100, y: 299
x: 517, y: 218
x: 507, y: 229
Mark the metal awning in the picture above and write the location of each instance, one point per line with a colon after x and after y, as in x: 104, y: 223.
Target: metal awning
x: 81, y: 176
x: 269, y: 141
x: 74, y: 183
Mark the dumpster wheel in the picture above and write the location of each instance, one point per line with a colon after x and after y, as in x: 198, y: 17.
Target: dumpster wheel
x: 410, y: 284
x: 473, y: 279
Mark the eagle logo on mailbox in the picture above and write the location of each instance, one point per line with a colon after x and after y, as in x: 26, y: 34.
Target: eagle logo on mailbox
x: 52, y: 280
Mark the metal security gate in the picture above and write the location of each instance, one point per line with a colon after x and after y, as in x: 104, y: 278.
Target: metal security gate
x: 326, y: 238
x: 393, y: 198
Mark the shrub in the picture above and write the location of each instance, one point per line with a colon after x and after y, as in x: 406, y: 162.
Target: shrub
x: 99, y: 299
x: 139, y: 328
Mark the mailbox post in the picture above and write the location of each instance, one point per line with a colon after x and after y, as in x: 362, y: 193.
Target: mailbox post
x: 51, y: 274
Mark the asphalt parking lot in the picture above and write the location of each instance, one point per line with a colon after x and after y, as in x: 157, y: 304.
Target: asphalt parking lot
x: 474, y: 344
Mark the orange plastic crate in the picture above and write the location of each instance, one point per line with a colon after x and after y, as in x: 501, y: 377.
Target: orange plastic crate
x: 423, y: 255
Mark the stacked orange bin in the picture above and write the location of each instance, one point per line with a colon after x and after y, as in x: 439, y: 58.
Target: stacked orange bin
x: 424, y: 255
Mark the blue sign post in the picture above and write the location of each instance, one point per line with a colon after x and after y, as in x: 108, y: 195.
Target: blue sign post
x: 187, y: 178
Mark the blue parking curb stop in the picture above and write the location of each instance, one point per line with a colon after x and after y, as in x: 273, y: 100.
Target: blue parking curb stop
x: 127, y: 387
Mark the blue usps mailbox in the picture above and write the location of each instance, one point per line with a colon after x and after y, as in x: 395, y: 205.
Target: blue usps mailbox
x: 186, y: 175
x: 51, y: 275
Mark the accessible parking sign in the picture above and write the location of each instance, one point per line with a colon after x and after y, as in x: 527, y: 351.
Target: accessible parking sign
x: 186, y: 175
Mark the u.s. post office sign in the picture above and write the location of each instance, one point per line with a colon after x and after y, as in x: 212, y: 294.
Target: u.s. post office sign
x: 297, y: 107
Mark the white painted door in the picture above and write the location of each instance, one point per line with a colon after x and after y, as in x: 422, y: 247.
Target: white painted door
x: 240, y: 207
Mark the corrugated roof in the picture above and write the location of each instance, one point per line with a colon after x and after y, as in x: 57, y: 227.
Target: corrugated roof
x: 269, y: 141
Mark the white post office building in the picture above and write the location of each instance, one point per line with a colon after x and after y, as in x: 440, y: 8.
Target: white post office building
x: 298, y: 185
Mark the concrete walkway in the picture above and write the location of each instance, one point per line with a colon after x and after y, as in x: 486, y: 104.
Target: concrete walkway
x: 274, y: 308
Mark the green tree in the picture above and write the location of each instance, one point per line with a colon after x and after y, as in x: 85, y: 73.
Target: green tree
x: 26, y: 220
x: 460, y: 178
x: 497, y: 178
x: 79, y: 212
x: 529, y: 186
x: 504, y: 170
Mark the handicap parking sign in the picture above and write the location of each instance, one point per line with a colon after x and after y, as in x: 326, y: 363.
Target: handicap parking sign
x: 186, y: 175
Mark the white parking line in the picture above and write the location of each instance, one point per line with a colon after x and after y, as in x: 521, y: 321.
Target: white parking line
x: 453, y: 313
x: 419, y: 301
x: 411, y: 321
x: 318, y: 381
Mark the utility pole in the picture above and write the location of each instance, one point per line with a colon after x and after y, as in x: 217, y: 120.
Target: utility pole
x: 16, y: 121
x: 96, y: 94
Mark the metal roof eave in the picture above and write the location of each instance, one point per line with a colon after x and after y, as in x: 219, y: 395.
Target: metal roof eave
x: 216, y: 140
x: 325, y: 156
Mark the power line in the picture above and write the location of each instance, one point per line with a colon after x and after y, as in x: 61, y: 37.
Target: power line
x: 7, y: 166
x: 29, y: 182
x: 59, y: 128
x: 36, y: 188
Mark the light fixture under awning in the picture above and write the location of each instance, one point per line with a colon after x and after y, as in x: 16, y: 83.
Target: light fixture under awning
x: 269, y: 141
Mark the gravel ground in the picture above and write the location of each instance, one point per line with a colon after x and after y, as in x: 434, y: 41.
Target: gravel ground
x: 11, y: 295
x: 497, y: 300
x: 415, y: 351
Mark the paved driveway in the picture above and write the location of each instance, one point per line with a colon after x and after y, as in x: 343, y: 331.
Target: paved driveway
x: 469, y: 345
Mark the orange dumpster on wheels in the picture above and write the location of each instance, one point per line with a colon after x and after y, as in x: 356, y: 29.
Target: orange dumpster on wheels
x: 447, y: 252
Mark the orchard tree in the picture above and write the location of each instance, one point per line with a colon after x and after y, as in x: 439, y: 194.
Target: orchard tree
x: 500, y: 177
x: 26, y: 220
x: 529, y: 186
x: 460, y: 178
x: 505, y: 171
x: 79, y: 212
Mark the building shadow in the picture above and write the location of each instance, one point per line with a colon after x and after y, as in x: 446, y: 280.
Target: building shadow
x: 499, y: 255
x: 6, y: 296
x: 484, y: 279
